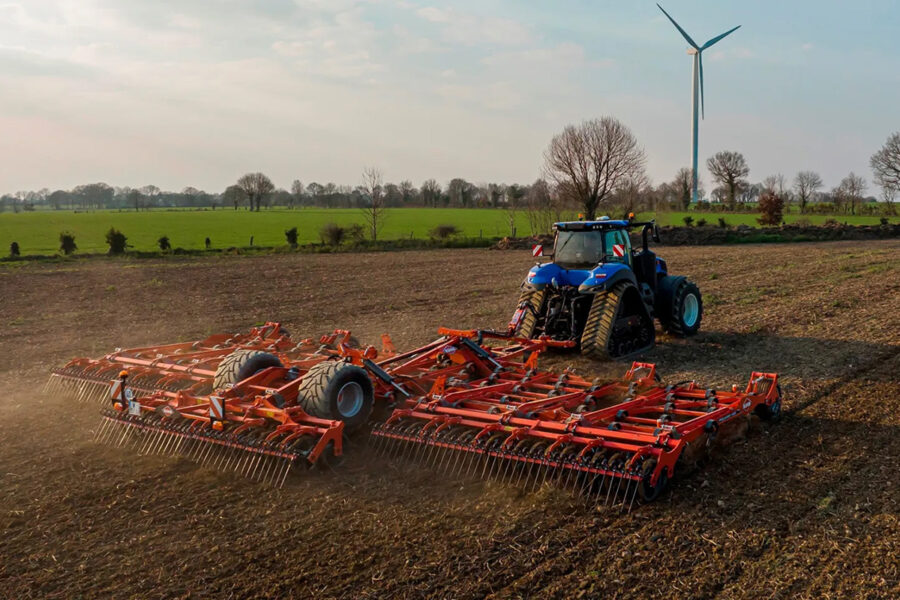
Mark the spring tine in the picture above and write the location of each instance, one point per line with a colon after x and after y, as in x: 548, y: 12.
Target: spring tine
x: 100, y: 429
x: 634, y: 494
x: 625, y: 496
x: 287, y: 469
x: 248, y: 460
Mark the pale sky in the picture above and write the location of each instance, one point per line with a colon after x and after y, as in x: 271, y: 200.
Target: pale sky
x: 198, y: 92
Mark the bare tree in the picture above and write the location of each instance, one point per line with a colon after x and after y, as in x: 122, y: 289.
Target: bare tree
x: 431, y: 192
x: 806, y: 184
x: 730, y: 170
x: 849, y: 193
x: 514, y: 196
x: 775, y: 184
x: 257, y: 186
x: 408, y: 192
x: 631, y: 190
x: 136, y: 198
x: 682, y: 185
x: 886, y: 167
x: 151, y: 192
x: 297, y: 192
x: 235, y: 195
x: 373, y: 186
x: 587, y: 162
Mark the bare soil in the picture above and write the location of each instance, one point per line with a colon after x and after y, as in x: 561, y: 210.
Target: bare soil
x: 806, y: 508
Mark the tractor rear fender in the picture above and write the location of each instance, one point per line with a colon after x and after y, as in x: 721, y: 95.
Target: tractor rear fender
x: 605, y: 277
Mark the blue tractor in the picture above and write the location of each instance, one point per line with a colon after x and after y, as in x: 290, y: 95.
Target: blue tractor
x: 601, y: 294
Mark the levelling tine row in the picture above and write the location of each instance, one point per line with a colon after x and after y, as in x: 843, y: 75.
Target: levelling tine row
x: 528, y: 465
x: 249, y: 454
x: 617, y: 442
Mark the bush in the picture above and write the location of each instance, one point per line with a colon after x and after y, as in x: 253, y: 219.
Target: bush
x: 116, y: 241
x: 443, y: 232
x: 291, y: 236
x: 882, y: 220
x: 14, y: 249
x: 803, y: 222
x: 723, y: 223
x: 332, y: 234
x: 688, y: 220
x: 831, y: 223
x: 701, y: 222
x: 771, y: 206
x: 67, y: 243
x: 164, y: 244
x: 356, y: 233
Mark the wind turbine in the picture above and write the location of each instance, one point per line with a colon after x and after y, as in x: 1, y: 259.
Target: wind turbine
x: 696, y: 91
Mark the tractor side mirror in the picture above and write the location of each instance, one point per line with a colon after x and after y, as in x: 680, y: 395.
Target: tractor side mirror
x: 656, y: 233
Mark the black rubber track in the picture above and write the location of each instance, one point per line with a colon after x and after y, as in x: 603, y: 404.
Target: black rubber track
x: 529, y: 320
x: 599, y: 324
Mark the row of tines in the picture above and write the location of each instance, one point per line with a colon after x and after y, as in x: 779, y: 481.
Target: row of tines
x: 528, y: 463
x: 247, y: 454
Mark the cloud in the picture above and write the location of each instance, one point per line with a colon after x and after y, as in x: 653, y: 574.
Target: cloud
x: 471, y: 30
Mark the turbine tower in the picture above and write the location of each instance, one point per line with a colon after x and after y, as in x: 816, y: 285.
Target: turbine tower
x: 696, y: 92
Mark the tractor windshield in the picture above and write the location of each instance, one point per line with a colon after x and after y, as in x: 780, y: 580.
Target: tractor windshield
x: 578, y: 249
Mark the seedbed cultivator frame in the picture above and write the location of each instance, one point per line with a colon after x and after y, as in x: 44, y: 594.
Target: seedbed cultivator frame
x: 470, y: 403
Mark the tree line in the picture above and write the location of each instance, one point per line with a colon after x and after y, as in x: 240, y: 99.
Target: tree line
x: 595, y: 165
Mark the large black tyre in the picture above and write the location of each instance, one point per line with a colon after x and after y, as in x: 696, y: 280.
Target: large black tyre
x: 241, y: 364
x: 682, y: 309
x: 599, y: 324
x: 338, y: 391
x: 535, y: 299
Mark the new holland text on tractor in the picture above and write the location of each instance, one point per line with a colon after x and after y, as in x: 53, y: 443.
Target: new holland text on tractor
x: 600, y: 293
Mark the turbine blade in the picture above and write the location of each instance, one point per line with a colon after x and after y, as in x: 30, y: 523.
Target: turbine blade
x: 683, y: 32
x: 702, y: 97
x: 719, y: 37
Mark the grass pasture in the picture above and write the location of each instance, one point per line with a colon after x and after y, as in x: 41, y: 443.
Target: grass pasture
x: 38, y: 232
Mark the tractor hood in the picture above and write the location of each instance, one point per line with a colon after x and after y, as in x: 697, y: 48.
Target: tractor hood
x: 586, y: 280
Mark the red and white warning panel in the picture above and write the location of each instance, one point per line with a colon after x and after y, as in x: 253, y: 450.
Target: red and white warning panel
x: 537, y: 250
x: 619, y: 250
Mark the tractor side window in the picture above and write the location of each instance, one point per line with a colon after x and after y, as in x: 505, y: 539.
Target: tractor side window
x: 578, y: 249
x: 618, y: 246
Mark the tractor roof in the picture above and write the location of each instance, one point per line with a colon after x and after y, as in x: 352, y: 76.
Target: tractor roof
x: 592, y: 225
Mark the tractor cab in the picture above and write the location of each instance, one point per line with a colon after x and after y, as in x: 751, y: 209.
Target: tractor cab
x: 588, y: 251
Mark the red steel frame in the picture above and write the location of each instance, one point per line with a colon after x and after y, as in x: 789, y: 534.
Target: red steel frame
x: 459, y: 394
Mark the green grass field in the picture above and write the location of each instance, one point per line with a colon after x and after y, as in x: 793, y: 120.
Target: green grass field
x: 38, y: 232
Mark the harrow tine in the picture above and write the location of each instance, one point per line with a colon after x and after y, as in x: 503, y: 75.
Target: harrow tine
x: 287, y: 469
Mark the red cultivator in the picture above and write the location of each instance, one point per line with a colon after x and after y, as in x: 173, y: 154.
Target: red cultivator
x: 259, y: 405
x: 188, y: 366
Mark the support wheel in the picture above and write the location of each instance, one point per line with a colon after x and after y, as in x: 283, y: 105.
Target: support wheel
x: 241, y: 364
x: 338, y: 391
x: 648, y: 492
x: 770, y: 412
